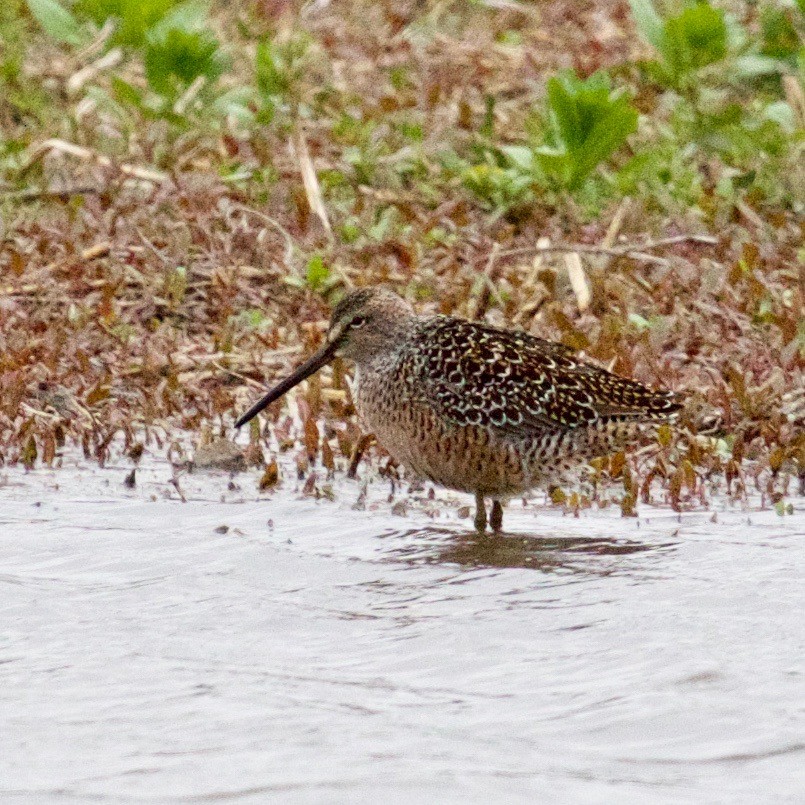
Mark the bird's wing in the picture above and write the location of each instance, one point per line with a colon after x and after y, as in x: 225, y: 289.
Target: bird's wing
x: 478, y: 375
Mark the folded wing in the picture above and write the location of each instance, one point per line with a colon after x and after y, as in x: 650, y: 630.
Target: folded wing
x: 478, y: 375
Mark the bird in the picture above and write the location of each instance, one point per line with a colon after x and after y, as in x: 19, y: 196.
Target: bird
x: 474, y: 408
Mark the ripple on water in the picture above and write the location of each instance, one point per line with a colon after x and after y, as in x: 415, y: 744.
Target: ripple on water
x: 145, y: 655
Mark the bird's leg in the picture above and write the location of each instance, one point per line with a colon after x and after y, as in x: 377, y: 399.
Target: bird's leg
x: 480, y: 513
x: 496, y: 518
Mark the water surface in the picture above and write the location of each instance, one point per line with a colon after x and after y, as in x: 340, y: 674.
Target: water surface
x: 234, y: 649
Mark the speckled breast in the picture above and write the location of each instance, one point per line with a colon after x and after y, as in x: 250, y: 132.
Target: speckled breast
x: 466, y: 458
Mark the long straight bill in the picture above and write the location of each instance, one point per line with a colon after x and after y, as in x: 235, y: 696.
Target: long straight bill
x: 311, y: 365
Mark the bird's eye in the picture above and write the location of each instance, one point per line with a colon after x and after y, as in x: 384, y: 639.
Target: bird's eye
x: 357, y: 322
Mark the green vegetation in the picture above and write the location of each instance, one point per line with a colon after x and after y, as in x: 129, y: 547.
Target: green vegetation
x: 585, y: 123
x: 185, y: 186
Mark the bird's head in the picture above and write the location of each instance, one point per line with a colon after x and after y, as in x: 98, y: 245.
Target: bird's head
x: 364, y: 324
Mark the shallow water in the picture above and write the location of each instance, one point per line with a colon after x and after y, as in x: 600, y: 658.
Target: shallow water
x: 330, y: 654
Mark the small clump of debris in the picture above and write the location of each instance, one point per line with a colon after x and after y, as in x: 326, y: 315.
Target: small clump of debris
x: 219, y: 454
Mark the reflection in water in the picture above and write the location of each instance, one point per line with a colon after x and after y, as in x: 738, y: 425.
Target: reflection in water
x: 549, y: 554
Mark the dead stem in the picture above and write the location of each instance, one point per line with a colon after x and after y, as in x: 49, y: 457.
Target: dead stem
x: 635, y: 251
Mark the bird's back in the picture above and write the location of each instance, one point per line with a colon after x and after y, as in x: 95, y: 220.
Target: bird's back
x: 513, y: 381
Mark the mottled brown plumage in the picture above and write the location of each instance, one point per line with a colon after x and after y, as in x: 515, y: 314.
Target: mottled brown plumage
x: 475, y: 408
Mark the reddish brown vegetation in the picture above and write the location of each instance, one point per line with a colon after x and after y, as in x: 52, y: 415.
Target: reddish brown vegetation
x: 102, y: 335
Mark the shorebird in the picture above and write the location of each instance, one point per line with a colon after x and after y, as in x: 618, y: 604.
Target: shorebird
x: 474, y: 408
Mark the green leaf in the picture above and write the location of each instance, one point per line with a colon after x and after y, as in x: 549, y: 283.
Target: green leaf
x: 280, y: 66
x: 783, y: 115
x: 751, y: 66
x: 685, y: 42
x: 236, y: 103
x: 555, y: 163
x: 126, y: 93
x: 189, y: 16
x: 135, y: 18
x: 589, y: 122
x: 175, y: 58
x: 179, y: 49
x: 317, y: 273
x: 271, y: 73
x: 56, y: 21
x: 501, y: 190
x: 608, y: 134
x: 648, y: 22
x: 780, y: 37
x: 695, y: 38
x: 521, y: 156
x: 639, y: 322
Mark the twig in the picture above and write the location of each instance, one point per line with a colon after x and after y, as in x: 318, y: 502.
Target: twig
x: 250, y: 380
x: 508, y: 5
x: 85, y: 74
x: 750, y: 215
x: 189, y: 95
x: 87, y: 154
x: 97, y: 251
x: 530, y: 290
x: 795, y: 96
x: 581, y: 248
x: 87, y: 255
x: 314, y: 7
x: 34, y: 289
x: 273, y: 222
x: 578, y: 280
x: 638, y: 252
x: 616, y: 223
x: 575, y: 268
x: 360, y: 448
x: 38, y: 412
x: 310, y: 180
x: 174, y: 482
x: 97, y: 45
x: 152, y: 247
x: 484, y: 286
x: 650, y: 245
x: 63, y: 194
